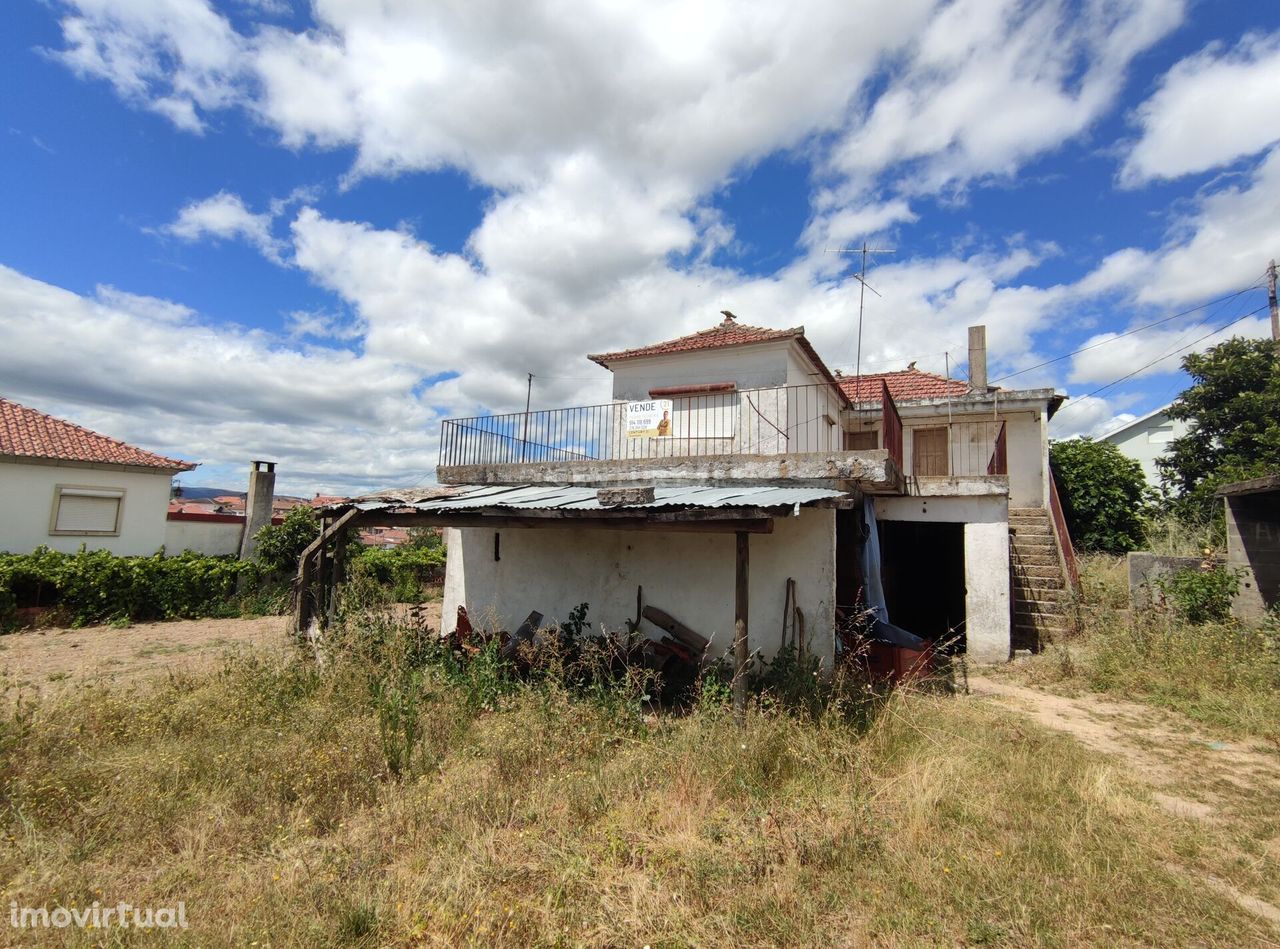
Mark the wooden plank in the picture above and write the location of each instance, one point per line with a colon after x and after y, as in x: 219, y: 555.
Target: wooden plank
x: 681, y: 632
x: 304, y: 603
x: 742, y: 578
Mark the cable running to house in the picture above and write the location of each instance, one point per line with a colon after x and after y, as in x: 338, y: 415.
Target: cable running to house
x: 1079, y: 400
x: 1136, y: 329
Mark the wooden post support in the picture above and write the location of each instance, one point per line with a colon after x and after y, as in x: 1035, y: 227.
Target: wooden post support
x: 742, y: 576
x: 338, y: 564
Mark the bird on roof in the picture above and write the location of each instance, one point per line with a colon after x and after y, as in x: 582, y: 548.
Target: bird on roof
x: 728, y: 317
x: 912, y: 364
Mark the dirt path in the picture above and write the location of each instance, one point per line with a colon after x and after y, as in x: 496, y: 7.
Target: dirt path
x: 1192, y: 775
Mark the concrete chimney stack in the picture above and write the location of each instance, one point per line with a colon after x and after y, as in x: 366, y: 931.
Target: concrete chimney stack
x: 978, y: 358
x: 257, y: 506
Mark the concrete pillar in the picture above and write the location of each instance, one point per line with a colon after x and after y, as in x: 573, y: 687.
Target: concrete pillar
x: 257, y: 506
x: 986, y: 602
x: 978, y: 358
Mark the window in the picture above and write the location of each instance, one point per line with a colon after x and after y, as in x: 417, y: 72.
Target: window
x: 1160, y: 435
x: 79, y: 509
x: 861, y: 441
x: 929, y: 452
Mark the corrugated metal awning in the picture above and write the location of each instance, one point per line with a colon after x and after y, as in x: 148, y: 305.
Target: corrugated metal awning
x: 584, y: 498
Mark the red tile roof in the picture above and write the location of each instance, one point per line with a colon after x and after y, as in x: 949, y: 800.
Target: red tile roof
x: 729, y: 332
x: 905, y: 385
x: 26, y: 433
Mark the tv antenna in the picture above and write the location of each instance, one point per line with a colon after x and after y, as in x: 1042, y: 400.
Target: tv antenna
x: 863, y: 287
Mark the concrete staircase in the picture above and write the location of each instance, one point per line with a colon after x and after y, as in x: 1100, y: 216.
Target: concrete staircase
x: 1040, y: 591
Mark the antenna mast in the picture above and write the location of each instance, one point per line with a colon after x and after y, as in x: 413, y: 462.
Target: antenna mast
x: 863, y: 287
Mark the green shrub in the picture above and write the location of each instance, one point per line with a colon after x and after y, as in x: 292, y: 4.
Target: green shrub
x: 280, y: 545
x: 1201, y: 596
x: 404, y: 570
x: 1104, y: 495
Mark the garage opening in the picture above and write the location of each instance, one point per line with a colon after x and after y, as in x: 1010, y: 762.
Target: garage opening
x: 924, y: 580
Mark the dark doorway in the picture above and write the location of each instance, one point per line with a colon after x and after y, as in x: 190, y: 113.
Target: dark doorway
x: 850, y: 534
x: 924, y: 579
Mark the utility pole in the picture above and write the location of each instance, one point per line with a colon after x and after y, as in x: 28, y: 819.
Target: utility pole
x: 1271, y: 299
x: 524, y: 435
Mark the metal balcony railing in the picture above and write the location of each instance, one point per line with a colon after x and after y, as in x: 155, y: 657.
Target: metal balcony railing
x: 767, y: 421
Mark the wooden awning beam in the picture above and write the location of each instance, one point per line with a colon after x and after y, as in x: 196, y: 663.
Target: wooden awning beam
x: 594, y: 520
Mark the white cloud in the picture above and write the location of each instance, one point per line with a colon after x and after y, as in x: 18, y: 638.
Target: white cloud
x: 1087, y: 416
x: 225, y: 216
x: 990, y: 85
x: 172, y: 56
x: 1211, y: 109
x: 151, y: 372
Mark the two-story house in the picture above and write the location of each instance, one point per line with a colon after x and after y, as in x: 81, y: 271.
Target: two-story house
x: 731, y: 467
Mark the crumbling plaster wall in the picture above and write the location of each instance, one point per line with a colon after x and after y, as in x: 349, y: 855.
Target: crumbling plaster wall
x: 689, y: 575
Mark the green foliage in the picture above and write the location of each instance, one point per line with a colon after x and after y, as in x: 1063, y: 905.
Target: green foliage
x: 1104, y: 494
x: 405, y: 570
x: 280, y: 545
x: 1233, y: 407
x: 396, y: 700
x: 1201, y: 596
x: 99, y: 587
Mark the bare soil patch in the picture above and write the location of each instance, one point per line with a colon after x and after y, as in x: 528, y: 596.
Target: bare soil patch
x: 47, y: 660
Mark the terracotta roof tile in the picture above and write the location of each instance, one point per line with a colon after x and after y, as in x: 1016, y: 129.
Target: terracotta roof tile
x: 729, y: 332
x: 26, y: 433
x: 905, y: 385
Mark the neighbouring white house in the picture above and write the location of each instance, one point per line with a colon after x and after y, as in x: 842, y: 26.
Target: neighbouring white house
x: 63, y: 486
x: 1146, y: 439
x: 733, y: 477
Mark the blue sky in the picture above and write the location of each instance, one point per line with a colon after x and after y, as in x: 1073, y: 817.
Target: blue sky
x: 309, y: 232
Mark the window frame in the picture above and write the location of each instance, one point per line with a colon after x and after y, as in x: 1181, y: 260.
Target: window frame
x: 86, y: 490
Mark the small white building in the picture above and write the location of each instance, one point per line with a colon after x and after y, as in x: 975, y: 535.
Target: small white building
x: 734, y: 477
x: 1146, y: 439
x: 63, y: 486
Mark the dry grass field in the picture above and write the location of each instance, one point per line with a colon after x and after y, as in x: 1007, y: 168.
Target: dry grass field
x: 259, y: 790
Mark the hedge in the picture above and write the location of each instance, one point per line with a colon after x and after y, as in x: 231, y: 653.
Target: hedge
x: 99, y: 587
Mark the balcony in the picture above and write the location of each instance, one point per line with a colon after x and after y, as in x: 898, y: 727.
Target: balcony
x: 711, y: 433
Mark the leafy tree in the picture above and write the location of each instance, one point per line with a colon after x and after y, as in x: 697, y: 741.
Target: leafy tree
x: 1233, y: 407
x: 1104, y: 494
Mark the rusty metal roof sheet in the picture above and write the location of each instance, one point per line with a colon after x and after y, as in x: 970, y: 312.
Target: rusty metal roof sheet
x: 584, y: 498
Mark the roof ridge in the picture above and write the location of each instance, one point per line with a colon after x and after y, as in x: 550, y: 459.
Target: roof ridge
x: 37, y: 416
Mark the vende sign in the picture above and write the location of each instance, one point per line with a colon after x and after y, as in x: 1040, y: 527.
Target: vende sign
x: 650, y: 419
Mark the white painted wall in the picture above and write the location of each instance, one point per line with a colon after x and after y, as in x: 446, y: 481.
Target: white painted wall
x: 27, y: 498
x: 213, y: 538
x: 749, y: 367
x: 972, y: 440
x: 1147, y: 440
x: 986, y: 563
x: 690, y: 576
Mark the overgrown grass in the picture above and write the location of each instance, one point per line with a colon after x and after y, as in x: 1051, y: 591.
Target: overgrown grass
x: 1223, y: 674
x: 534, y: 814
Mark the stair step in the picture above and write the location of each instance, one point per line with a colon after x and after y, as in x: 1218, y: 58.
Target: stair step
x: 1024, y: 622
x: 1054, y: 593
x: 1038, y: 608
x: 1021, y: 529
x: 1032, y: 542
x: 1028, y: 512
x: 1046, y: 559
x: 1038, y: 571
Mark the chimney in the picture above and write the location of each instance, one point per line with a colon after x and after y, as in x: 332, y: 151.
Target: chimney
x: 257, y: 506
x: 977, y: 358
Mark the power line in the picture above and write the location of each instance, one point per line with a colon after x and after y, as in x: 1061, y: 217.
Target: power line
x: 1079, y: 400
x: 1136, y: 329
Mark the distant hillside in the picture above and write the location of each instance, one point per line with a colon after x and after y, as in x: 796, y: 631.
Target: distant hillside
x: 193, y: 492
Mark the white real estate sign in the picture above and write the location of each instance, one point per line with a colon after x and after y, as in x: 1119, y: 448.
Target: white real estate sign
x: 650, y: 419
